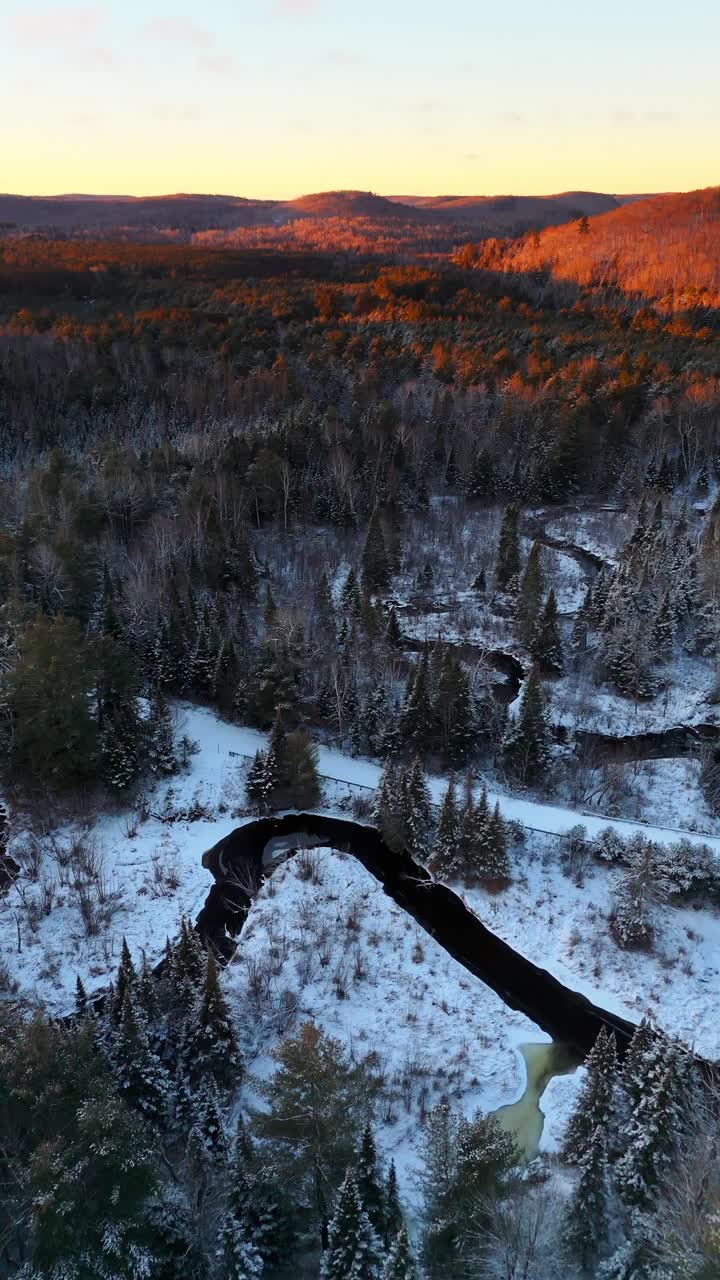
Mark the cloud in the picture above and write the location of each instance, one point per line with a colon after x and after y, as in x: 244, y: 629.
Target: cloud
x: 179, y: 30
x: 54, y: 25
x: 219, y: 64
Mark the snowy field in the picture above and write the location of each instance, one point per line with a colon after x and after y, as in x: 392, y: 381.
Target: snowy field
x: 564, y: 929
x: 334, y: 949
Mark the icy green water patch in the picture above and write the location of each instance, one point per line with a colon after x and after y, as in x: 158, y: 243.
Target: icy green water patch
x: 524, y: 1118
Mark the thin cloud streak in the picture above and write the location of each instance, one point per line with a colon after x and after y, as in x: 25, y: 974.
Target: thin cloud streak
x: 57, y: 26
x: 178, y: 30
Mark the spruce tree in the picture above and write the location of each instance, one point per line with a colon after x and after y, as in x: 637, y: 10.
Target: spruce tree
x: 161, y: 757
x: 126, y: 978
x: 388, y: 810
x: 252, y: 1213
x: 507, y: 567
x: 494, y: 865
x: 416, y: 811
x: 393, y: 632
x: 594, y: 1105
x: 526, y: 749
x: 418, y: 718
x: 354, y: 1251
x: 81, y: 1000
x: 257, y: 788
x: 369, y: 1182
x: 530, y: 594
x: 586, y: 1224
x: 141, y: 1079
x: 400, y: 1263
x: 664, y: 629
x: 209, y: 1048
x: 650, y: 1135
x: 546, y: 644
x: 375, y: 559
x: 445, y: 859
x: 394, y: 1217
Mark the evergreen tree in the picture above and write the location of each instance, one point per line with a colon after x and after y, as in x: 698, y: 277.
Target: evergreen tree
x: 526, y: 749
x: 350, y: 601
x: 121, y: 747
x: 258, y: 784
x: 394, y: 1218
x: 546, y: 644
x: 126, y: 978
x: 209, y: 1048
x: 252, y: 1214
x: 393, y: 632
x: 388, y: 810
x: 479, y: 585
x: 418, y: 719
x: 454, y: 710
x: 586, y: 1225
x: 369, y: 1182
x: 161, y: 757
x: 299, y: 782
x: 445, y: 858
x: 594, y: 1106
x: 353, y: 1251
x: 649, y: 1137
x: 494, y: 866
x: 507, y: 567
x: 664, y: 629
x: 375, y: 559
x: 54, y: 738
x: 417, y: 811
x: 141, y: 1078
x: 81, y: 1000
x: 400, y: 1263
x: 317, y: 1101
x: 530, y: 594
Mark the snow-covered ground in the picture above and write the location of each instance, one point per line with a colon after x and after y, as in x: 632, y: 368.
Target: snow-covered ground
x: 564, y: 929
x: 686, y: 700
x: 152, y: 874
x: 336, y: 950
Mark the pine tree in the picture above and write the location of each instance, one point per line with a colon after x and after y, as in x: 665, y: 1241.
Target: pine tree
x: 252, y: 1213
x: 126, y: 978
x: 388, y: 810
x: 594, y: 1105
x: 546, y: 644
x: 369, y: 1182
x: 479, y: 584
x: 394, y: 1218
x: 209, y: 1048
x: 141, y: 1079
x: 257, y: 783
x: 375, y: 559
x: 350, y: 601
x: 526, y: 749
x: 81, y: 1000
x: 400, y: 1263
x: 664, y: 629
x: 418, y: 719
x: 455, y: 711
x: 586, y: 1225
x: 207, y: 1142
x: 393, y: 633
x: 495, y: 865
x: 417, y: 811
x: 530, y: 594
x: 121, y: 747
x: 445, y: 858
x: 474, y: 832
x: 161, y: 757
x: 507, y: 568
x: 649, y: 1136
x: 353, y: 1251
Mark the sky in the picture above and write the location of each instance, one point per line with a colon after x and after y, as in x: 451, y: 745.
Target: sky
x: 278, y: 98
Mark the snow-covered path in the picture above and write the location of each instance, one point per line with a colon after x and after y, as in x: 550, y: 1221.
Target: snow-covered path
x: 205, y: 726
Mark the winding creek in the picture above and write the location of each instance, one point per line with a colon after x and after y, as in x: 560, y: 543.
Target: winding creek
x: 239, y: 861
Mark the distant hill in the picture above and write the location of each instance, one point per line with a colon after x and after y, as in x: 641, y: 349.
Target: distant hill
x: 349, y: 204
x: 508, y: 210
x: 181, y: 216
x: 665, y: 249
